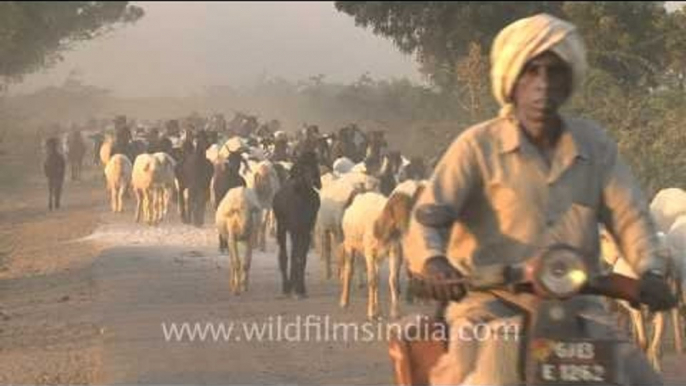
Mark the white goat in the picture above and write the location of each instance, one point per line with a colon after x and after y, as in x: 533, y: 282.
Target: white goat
x: 105, y: 151
x: 232, y: 145
x: 265, y: 183
x: 373, y: 226
x: 667, y: 205
x: 237, y: 218
x: 335, y: 197
x: 212, y: 154
x: 676, y: 239
x: 143, y: 181
x: 118, y: 176
x: 165, y: 182
x: 327, y: 179
x: 342, y: 165
x: 368, y: 183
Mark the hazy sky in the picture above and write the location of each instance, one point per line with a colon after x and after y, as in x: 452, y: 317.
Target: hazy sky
x: 179, y: 47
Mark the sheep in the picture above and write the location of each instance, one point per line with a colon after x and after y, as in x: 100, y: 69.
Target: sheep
x: 676, y: 240
x: 412, y: 169
x: 165, y: 182
x: 265, y: 182
x: 667, y: 205
x: 360, y: 167
x: 390, y: 227
x: 257, y: 153
x: 360, y: 238
x: 295, y: 208
x: 286, y: 165
x: 106, y: 149
x: 226, y: 177
x: 410, y: 188
x: 342, y: 165
x: 233, y: 149
x: 212, y: 154
x: 236, y: 219
x: 232, y: 145
x: 668, y: 208
x: 118, y: 176
x: 175, y: 141
x: 219, y: 165
x: 143, y: 182
x: 328, y: 179
x: 194, y: 175
x: 388, y: 172
x: 335, y: 197
x: 369, y: 183
x: 98, y: 139
x: 54, y: 169
x: 76, y: 150
x: 395, y: 219
x: 248, y: 166
x: 282, y: 169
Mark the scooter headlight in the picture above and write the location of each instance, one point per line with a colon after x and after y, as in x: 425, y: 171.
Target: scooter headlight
x: 562, y: 272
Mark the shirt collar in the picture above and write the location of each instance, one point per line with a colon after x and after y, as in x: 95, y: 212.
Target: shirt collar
x: 569, y: 145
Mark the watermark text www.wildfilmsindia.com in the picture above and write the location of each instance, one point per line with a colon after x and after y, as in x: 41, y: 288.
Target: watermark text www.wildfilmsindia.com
x: 315, y: 328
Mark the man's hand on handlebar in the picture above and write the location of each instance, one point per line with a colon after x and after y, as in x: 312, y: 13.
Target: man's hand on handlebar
x: 438, y: 269
x: 655, y: 292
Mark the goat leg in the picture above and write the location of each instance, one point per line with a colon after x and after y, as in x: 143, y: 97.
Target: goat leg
x: 283, y: 259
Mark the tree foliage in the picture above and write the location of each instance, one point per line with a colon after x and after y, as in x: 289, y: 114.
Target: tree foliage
x: 34, y: 34
x: 636, y: 42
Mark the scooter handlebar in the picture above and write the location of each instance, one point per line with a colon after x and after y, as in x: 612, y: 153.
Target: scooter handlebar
x: 614, y: 286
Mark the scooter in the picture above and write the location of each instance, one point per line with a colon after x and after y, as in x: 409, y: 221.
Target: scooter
x: 556, y: 348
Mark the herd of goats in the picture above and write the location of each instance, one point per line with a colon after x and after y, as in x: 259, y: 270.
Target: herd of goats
x: 347, y: 190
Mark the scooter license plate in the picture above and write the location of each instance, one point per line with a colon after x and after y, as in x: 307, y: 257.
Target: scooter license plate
x: 576, y: 362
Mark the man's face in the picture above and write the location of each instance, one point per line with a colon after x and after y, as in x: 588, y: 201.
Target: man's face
x: 543, y: 86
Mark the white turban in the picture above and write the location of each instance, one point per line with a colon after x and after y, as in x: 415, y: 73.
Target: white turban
x: 527, y: 38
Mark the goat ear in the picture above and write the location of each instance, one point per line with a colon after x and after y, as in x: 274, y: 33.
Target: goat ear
x: 418, y: 193
x: 395, y: 202
x: 383, y: 226
x: 351, y: 199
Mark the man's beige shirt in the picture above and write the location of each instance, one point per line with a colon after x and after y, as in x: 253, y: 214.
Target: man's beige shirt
x: 509, y: 202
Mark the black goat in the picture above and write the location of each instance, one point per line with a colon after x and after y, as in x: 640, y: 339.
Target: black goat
x: 295, y: 209
x: 54, y: 168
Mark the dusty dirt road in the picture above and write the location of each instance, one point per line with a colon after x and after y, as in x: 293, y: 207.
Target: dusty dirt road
x: 85, y: 296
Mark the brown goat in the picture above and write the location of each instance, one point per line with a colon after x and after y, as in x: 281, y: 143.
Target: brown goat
x: 393, y: 223
x: 395, y: 217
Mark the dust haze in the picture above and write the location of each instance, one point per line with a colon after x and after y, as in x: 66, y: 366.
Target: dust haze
x: 179, y: 48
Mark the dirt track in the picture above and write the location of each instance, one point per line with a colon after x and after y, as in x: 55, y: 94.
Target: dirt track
x: 84, y: 294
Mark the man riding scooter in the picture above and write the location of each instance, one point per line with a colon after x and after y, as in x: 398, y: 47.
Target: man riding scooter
x: 504, y: 185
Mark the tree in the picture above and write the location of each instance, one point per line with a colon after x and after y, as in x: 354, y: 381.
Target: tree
x: 675, y: 45
x: 439, y: 33
x: 626, y: 40
x: 33, y: 35
x: 472, y: 73
x: 629, y: 40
